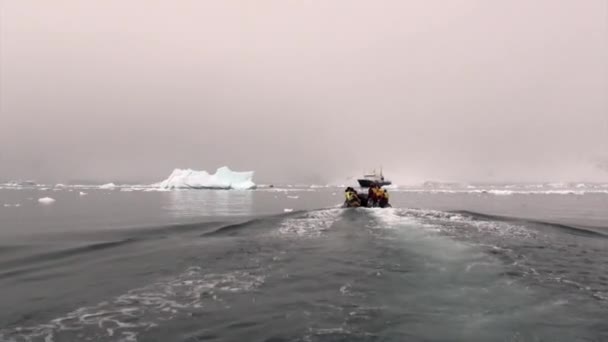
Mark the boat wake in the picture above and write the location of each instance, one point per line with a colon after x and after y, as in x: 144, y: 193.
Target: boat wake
x: 347, y: 274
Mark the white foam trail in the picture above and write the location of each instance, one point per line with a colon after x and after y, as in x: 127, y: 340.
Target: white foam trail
x: 310, y: 224
x: 124, y: 317
x: 391, y: 218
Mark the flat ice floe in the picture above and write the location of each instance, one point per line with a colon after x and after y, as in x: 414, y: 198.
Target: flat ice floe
x: 46, y: 200
x: 108, y: 186
x: 223, y: 178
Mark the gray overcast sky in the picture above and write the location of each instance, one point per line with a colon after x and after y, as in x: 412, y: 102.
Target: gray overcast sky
x: 304, y: 91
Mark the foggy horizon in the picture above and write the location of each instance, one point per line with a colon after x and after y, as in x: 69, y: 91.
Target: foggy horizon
x: 305, y: 92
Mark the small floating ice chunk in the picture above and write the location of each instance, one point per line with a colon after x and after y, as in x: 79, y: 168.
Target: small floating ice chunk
x: 82, y: 193
x: 287, y: 210
x: 108, y: 186
x: 46, y: 200
x: 156, y: 190
x: 293, y: 197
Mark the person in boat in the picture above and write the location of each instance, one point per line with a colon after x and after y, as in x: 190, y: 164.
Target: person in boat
x: 382, y: 195
x: 351, y: 198
x: 372, y: 199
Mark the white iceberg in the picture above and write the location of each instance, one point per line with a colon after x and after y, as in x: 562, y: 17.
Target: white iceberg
x: 501, y: 192
x: 224, y: 178
x: 82, y: 193
x: 46, y: 200
x: 316, y: 186
x: 108, y: 186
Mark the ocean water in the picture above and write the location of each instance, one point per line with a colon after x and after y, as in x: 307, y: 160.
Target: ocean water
x: 289, y: 265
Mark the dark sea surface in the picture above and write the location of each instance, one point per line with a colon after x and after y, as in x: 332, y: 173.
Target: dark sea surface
x: 290, y: 265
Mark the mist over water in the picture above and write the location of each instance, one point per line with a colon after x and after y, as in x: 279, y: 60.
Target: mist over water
x: 309, y: 92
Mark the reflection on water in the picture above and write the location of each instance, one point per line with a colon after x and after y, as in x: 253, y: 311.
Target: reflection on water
x: 194, y: 203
